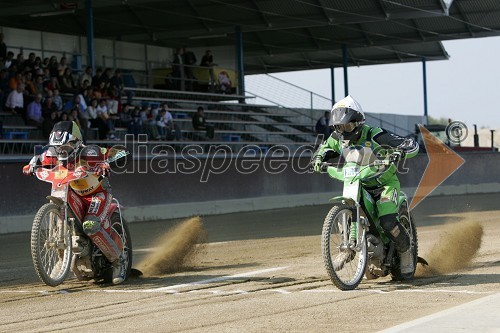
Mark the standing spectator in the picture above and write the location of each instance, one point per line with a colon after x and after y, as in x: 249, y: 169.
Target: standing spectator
x: 166, y: 125
x: 177, y: 69
x: 323, y: 125
x: 208, y: 61
x: 3, y: 48
x: 189, y: 60
x: 200, y: 122
x: 34, y: 113
x: 15, y: 100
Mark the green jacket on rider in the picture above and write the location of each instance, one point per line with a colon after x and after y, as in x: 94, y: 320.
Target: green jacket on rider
x: 383, y: 143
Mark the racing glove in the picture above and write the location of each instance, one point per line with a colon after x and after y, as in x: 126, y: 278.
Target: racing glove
x: 102, y: 169
x: 396, y: 156
x: 29, y: 169
x: 316, y: 163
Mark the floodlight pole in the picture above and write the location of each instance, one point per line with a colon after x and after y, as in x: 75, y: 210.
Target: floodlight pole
x: 424, y: 70
x: 332, y: 79
x: 90, y: 34
x: 345, y: 60
x: 239, y: 61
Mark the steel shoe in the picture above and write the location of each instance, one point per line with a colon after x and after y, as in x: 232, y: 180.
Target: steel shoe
x: 342, y: 258
x: 57, y: 269
x: 406, y: 262
x: 119, y: 270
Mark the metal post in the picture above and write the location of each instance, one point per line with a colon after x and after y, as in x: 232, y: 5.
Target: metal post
x: 424, y: 70
x: 239, y: 61
x: 476, y: 136
x: 332, y: 80
x: 492, y: 140
x: 345, y: 61
x: 90, y: 34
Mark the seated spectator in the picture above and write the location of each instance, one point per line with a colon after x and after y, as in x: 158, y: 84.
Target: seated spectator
x: 48, y: 107
x: 148, y: 120
x: 29, y: 84
x: 4, y: 87
x: 57, y: 99
x: 34, y: 112
x: 15, y: 100
x: 135, y: 125
x: 103, y: 113
x: 199, y: 123
x: 86, y: 76
x: 48, y: 123
x: 225, y: 84
x: 166, y: 125
x: 96, y: 121
x: 66, y: 82
x: 322, y: 125
x: 8, y: 61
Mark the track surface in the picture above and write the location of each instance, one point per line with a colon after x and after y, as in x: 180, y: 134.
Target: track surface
x: 260, y: 272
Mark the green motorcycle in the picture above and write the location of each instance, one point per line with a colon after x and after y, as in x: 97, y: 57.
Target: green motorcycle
x: 352, y: 231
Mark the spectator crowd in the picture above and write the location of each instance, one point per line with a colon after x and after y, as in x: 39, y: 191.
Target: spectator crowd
x: 45, y: 91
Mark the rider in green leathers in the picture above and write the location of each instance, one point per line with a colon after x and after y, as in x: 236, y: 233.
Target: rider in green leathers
x: 347, y: 119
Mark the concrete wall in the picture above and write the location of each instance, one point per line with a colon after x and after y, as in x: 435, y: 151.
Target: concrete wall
x: 214, y: 186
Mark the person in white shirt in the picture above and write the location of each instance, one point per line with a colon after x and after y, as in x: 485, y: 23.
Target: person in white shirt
x: 15, y: 100
x: 166, y: 125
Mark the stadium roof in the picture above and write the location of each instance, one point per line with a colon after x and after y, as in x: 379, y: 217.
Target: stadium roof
x: 278, y: 35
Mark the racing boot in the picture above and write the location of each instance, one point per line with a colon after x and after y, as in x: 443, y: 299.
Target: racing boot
x: 398, y: 234
x: 119, y: 271
x: 342, y: 258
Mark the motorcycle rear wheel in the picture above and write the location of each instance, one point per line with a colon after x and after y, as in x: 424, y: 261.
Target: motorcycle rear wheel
x: 350, y: 275
x: 51, y: 258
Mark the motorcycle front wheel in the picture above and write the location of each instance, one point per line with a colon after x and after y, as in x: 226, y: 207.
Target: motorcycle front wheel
x: 345, y: 267
x: 50, y: 246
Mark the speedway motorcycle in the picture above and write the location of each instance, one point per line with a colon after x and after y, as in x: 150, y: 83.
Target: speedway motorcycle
x: 352, y: 224
x: 57, y: 234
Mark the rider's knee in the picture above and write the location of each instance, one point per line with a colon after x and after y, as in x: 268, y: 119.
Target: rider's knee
x: 91, y: 225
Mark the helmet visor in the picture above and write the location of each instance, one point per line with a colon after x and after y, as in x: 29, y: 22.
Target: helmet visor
x: 344, y: 128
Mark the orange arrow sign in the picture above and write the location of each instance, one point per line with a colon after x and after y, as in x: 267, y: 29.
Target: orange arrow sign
x: 443, y: 162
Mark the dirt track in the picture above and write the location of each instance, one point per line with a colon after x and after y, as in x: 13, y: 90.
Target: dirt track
x: 260, y: 284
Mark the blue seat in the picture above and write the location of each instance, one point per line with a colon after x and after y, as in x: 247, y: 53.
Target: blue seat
x: 16, y: 135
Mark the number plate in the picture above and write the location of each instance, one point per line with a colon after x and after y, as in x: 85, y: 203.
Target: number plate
x: 350, y: 172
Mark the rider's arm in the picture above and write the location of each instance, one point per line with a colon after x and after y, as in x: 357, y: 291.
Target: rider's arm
x: 331, y: 148
x: 45, y: 159
x: 407, y: 146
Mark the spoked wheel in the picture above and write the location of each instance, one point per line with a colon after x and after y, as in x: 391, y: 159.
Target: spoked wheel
x: 121, y: 230
x: 406, y: 220
x: 50, y: 246
x: 344, y: 266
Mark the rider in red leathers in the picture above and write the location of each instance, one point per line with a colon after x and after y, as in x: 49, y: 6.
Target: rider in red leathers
x: 66, y: 147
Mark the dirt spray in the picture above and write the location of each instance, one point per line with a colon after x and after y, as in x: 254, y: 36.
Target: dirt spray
x: 176, y: 249
x: 454, y: 251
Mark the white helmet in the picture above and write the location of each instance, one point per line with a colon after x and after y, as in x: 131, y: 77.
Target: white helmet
x: 347, y: 117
